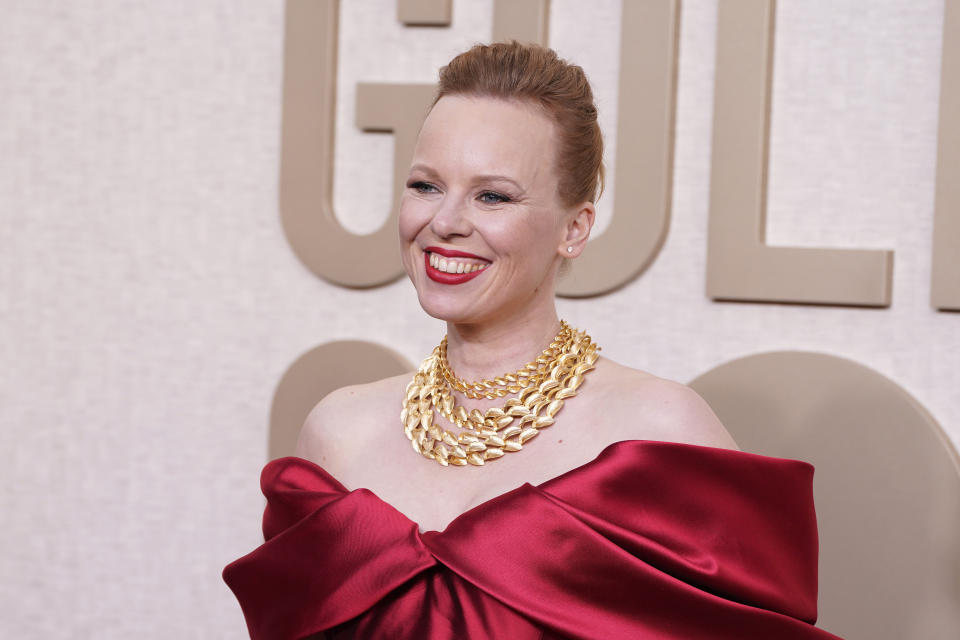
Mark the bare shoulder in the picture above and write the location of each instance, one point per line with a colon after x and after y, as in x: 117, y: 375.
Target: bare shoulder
x: 360, y: 407
x: 665, y: 409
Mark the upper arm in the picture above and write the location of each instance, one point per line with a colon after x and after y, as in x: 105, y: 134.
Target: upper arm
x: 306, y: 441
x: 317, y: 433
x: 682, y: 415
x: 348, y: 420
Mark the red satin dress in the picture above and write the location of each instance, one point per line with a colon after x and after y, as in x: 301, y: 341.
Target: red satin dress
x: 650, y: 540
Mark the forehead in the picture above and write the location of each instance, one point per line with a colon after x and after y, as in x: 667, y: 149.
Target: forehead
x: 483, y: 135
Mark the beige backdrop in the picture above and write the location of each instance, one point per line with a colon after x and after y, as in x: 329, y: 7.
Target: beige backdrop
x: 149, y: 302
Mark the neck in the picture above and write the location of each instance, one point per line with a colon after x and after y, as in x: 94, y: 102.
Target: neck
x: 486, y: 350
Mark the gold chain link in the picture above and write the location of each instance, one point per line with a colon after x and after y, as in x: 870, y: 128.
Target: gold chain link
x: 496, y: 431
x: 532, y: 373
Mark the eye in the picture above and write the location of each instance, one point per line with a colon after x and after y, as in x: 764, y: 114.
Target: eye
x: 422, y: 187
x: 492, y: 197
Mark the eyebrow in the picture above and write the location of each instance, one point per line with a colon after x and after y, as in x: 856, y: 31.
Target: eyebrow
x: 424, y: 168
x: 482, y: 178
x: 498, y: 178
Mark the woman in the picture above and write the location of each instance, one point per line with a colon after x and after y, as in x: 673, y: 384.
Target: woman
x: 592, y: 499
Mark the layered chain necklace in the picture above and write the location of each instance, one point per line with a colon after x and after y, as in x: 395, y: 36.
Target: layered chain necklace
x: 541, y: 386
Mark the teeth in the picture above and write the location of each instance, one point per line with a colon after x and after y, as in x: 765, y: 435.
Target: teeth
x: 449, y: 265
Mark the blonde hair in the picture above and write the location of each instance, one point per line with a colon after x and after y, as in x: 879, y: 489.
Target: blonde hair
x: 517, y: 71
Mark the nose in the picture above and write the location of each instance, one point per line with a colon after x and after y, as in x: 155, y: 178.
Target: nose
x: 451, y: 219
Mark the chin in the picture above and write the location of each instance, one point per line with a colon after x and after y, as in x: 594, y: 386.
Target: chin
x: 451, y: 303
x: 445, y: 307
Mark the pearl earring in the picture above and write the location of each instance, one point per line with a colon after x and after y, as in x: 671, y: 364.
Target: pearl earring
x: 569, y: 249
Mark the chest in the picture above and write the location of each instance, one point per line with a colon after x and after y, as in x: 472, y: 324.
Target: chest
x: 433, y: 496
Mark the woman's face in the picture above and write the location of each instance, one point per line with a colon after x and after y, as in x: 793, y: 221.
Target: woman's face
x: 481, y: 225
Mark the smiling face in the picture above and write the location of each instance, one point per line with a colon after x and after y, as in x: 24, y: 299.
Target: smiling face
x: 482, y: 229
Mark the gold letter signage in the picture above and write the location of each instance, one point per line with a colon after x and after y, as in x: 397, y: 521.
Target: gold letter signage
x: 740, y: 265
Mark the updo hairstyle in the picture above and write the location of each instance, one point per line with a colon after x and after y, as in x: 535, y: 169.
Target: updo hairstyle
x: 530, y: 72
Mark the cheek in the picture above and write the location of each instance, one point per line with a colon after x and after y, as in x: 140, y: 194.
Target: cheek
x: 411, y: 220
x: 531, y: 239
x: 408, y: 228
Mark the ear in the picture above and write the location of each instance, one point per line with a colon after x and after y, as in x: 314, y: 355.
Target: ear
x: 577, y: 230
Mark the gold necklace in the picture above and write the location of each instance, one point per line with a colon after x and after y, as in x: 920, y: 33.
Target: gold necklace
x: 532, y: 373
x: 492, y: 433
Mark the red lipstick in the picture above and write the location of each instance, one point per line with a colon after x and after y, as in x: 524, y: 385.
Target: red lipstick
x: 449, y: 278
x: 453, y: 253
